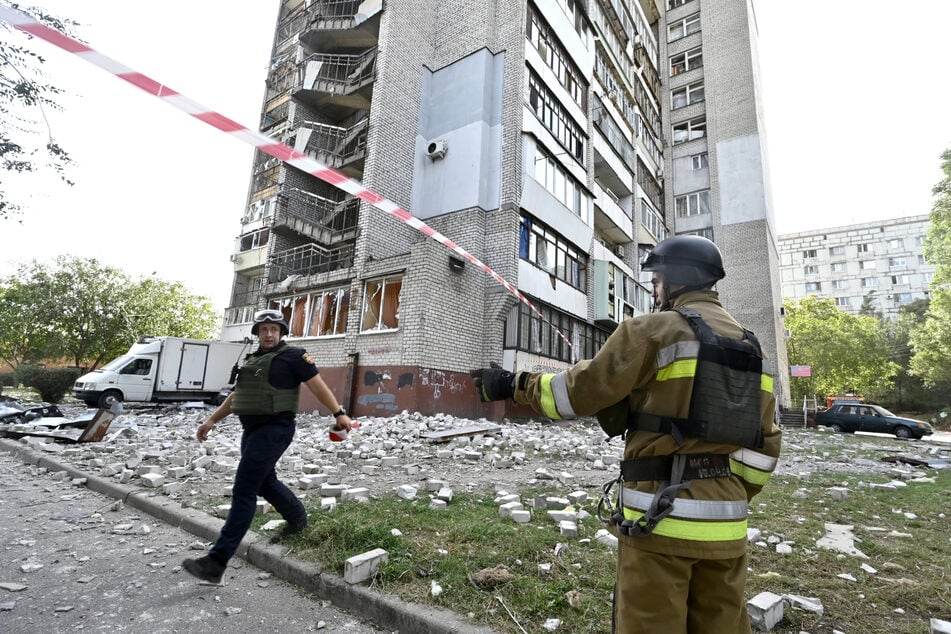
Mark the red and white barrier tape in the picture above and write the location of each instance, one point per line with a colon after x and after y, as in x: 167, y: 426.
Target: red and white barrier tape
x: 266, y: 144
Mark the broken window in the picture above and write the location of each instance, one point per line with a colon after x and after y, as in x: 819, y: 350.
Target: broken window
x: 253, y: 240
x: 330, y: 310
x: 381, y: 303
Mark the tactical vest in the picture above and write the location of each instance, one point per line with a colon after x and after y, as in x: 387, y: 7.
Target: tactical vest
x: 254, y: 394
x: 725, y: 402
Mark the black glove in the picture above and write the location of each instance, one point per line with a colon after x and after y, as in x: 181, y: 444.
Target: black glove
x: 494, y: 383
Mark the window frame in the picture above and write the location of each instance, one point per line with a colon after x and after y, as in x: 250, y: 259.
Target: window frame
x: 689, y: 130
x: 386, y: 308
x: 684, y: 26
x: 689, y: 93
x: 693, y: 204
x: 691, y: 60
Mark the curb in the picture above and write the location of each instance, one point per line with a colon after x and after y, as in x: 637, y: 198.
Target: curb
x: 386, y: 611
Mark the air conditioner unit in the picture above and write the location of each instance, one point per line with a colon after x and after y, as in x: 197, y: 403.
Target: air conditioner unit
x: 787, y: 333
x: 235, y: 258
x: 245, y: 219
x: 619, y: 251
x: 437, y: 149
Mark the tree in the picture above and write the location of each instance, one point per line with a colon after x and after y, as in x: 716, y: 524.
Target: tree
x: 847, y: 353
x: 89, y: 313
x: 932, y: 341
x: 24, y: 96
x: 23, y: 338
x: 907, y: 391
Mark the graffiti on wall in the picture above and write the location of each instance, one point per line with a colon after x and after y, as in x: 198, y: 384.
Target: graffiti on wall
x: 371, y: 378
x: 438, y: 381
x: 386, y: 402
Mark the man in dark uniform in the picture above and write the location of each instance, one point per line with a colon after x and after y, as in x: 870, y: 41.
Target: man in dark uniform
x: 265, y: 399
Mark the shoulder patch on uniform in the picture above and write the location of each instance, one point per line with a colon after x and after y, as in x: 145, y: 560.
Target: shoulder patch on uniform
x: 307, y: 358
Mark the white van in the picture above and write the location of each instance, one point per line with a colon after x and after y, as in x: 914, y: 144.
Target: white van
x: 162, y: 369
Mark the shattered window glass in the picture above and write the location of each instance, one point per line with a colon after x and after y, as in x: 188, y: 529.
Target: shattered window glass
x: 381, y: 302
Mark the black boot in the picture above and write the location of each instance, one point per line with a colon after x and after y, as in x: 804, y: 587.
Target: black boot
x: 205, y: 568
x: 290, y: 528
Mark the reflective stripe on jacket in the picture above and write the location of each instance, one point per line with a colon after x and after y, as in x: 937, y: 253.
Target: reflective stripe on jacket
x: 651, y: 360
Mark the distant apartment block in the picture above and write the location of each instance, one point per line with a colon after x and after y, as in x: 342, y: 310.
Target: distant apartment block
x: 877, y: 264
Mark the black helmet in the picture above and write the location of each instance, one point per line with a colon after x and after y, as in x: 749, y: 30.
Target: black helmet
x: 269, y: 316
x: 688, y: 260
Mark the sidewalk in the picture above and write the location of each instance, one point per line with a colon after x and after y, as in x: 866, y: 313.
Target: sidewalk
x: 386, y: 611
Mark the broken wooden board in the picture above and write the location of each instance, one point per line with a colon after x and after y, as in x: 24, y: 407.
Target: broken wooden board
x: 455, y: 432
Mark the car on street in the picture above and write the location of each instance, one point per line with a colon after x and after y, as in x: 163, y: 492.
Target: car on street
x: 851, y: 417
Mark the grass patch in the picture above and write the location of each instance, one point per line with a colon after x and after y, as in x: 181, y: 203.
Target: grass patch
x: 911, y: 555
x: 449, y: 546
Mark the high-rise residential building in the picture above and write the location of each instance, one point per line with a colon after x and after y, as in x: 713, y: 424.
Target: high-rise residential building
x: 555, y: 140
x: 876, y: 265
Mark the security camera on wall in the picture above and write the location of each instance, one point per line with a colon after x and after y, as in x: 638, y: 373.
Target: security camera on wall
x: 437, y: 149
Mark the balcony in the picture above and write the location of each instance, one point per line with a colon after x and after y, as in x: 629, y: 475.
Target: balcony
x: 322, y: 220
x: 307, y: 260
x: 336, y: 146
x: 332, y: 25
x: 344, y: 81
x: 609, y: 218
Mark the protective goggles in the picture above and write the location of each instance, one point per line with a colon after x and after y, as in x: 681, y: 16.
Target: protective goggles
x: 268, y: 315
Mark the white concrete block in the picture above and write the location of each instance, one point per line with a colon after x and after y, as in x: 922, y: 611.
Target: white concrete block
x: 560, y: 516
x: 361, y: 567
x: 766, y: 610
x: 568, y: 529
x: 153, y: 479
x: 839, y: 493
x: 328, y: 504
x: 355, y: 493
x: 445, y: 494
x: 522, y: 516
x: 333, y: 490
x: 222, y: 510
x: 406, y: 491
x: 437, y: 505
x: 505, y: 510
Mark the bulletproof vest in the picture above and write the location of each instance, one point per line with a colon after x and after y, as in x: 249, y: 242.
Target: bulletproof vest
x: 725, y: 401
x: 254, y: 394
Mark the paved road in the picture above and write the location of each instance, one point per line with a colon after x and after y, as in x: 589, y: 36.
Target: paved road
x: 87, y: 563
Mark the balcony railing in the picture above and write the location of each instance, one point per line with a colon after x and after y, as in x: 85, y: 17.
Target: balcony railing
x: 309, y: 259
x: 323, y: 219
x: 338, y: 74
x: 334, y: 145
x: 334, y: 12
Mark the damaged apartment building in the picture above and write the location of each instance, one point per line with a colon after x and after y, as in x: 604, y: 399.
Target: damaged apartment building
x: 555, y: 140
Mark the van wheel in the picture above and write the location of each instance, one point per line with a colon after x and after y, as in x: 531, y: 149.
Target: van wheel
x: 902, y: 432
x: 836, y: 427
x: 109, y: 398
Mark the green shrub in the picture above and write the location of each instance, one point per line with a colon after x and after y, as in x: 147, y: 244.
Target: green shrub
x: 51, y: 383
x: 7, y: 380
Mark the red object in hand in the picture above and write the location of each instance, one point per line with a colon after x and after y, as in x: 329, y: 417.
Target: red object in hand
x: 340, y: 435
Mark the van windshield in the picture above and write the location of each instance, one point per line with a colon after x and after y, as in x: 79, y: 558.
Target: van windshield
x: 116, y: 363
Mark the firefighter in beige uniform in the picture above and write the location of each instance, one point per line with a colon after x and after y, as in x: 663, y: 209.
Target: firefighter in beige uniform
x: 691, y: 391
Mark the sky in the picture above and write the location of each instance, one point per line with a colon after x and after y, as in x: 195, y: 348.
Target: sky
x: 159, y: 193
